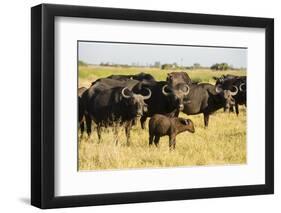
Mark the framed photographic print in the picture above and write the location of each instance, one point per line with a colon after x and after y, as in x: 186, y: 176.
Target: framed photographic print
x: 139, y: 106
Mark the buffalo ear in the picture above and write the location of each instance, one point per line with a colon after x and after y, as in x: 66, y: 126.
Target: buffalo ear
x: 186, y: 122
x: 183, y: 121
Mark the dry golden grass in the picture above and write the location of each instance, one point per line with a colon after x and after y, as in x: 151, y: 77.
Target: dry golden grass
x: 223, y: 142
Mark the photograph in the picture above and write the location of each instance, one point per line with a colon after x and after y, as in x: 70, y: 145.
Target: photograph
x: 144, y: 105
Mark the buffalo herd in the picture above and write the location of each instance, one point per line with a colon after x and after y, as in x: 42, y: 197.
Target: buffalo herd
x: 119, y: 100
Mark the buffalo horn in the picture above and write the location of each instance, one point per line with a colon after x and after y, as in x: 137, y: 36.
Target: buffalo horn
x: 147, y: 96
x: 218, y: 89
x: 236, y: 91
x: 163, y: 90
x: 241, y: 87
x: 123, y: 93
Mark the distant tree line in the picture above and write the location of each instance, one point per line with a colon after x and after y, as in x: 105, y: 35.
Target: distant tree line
x: 82, y: 63
x: 197, y: 66
x: 221, y: 66
x: 170, y: 66
x: 134, y: 64
x: 108, y: 64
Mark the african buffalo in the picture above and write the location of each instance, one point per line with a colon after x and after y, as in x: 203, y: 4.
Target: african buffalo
x: 175, y: 78
x: 96, y: 87
x: 202, y: 98
x: 164, y: 100
x: 109, y: 105
x: 228, y: 82
x: 161, y: 125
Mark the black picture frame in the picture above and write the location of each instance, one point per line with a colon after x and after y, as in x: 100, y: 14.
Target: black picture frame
x: 43, y: 117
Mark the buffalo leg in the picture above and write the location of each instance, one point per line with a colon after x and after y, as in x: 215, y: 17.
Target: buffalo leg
x: 206, y: 119
x: 142, y: 120
x: 156, y: 140
x: 82, y: 128
x: 88, y: 124
x: 172, y: 142
x: 128, y: 128
x: 99, y: 133
x: 237, y: 109
x: 151, y: 136
x: 116, y: 133
x: 134, y: 122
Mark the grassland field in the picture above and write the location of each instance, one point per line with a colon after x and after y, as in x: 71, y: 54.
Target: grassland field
x: 222, y: 143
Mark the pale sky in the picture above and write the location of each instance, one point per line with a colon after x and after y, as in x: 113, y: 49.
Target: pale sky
x: 143, y: 54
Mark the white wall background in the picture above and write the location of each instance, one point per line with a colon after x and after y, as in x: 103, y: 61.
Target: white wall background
x: 15, y: 105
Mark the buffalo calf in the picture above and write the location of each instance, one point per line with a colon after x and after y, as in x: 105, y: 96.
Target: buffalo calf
x: 160, y: 125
